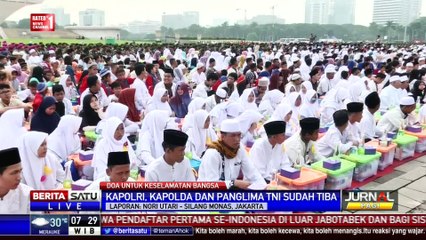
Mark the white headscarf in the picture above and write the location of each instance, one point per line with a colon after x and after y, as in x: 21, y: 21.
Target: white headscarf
x: 11, y: 123
x: 247, y: 118
x: 195, y: 105
x: 197, y: 134
x: 295, y: 116
x: 309, y: 109
x: 64, y: 139
x: 308, y: 86
x: 67, y: 90
x: 280, y: 112
x: 109, y: 144
x: 270, y: 101
x: 336, y: 99
x: 154, y: 123
x: 34, y: 168
x: 156, y: 104
x: 244, y: 99
x: 116, y: 110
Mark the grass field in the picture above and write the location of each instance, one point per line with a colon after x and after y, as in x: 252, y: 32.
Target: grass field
x: 59, y: 40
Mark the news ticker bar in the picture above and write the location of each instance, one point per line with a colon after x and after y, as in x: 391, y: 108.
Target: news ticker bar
x: 118, y: 224
x: 180, y: 201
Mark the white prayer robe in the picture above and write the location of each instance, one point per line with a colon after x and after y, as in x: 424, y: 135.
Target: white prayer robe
x: 16, y: 201
x: 299, y: 153
x: 368, y: 125
x: 326, y: 85
x: 354, y: 132
x: 211, y: 167
x: 389, y: 98
x: 198, y: 78
x: 395, y: 119
x: 268, y: 159
x: 160, y: 171
x: 200, y: 91
x: 334, y: 140
x: 142, y: 94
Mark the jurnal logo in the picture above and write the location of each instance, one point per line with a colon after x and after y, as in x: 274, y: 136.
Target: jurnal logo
x: 370, y: 200
x: 42, y: 22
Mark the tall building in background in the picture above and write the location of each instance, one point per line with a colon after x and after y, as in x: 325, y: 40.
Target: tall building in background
x: 177, y: 21
x: 92, y: 17
x: 62, y: 19
x: 398, y: 11
x: 330, y: 11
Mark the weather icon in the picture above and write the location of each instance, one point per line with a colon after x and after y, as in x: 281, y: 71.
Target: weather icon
x: 40, y: 222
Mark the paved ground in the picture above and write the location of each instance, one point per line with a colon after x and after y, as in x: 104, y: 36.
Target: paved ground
x: 410, y: 181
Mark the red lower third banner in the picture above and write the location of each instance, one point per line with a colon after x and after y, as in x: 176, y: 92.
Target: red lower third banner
x: 266, y: 220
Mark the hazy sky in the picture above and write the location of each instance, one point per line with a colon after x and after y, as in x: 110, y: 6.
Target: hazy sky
x: 123, y: 11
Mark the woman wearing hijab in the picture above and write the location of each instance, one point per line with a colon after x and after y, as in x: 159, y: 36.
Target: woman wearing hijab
x: 270, y: 101
x: 277, y: 81
x: 180, y: 73
x: 159, y: 101
x: 151, y: 136
x: 118, y: 110
x: 419, y: 91
x: 200, y: 134
x: 196, y: 104
x: 179, y: 103
x: 91, y: 111
x: 113, y: 139
x: 295, y: 101
x: 45, y: 119
x: 12, y: 122
x: 304, y: 89
x: 310, y: 108
x: 39, y: 169
x: 127, y: 97
x: 65, y: 139
x: 281, y: 113
x: 248, y: 125
x: 69, y: 87
x: 334, y: 100
x: 247, y: 99
x: 225, y: 110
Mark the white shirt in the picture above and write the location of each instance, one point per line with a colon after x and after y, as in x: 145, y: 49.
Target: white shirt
x: 200, y: 90
x: 299, y: 153
x: 160, y: 171
x: 368, y: 125
x: 394, y: 120
x: 373, y: 87
x: 234, y: 95
x: 334, y: 140
x: 210, y: 102
x: 16, y: 201
x: 101, y: 95
x: 268, y: 159
x: 69, y: 110
x: 326, y: 84
x: 142, y: 94
x: 389, y: 98
x: 161, y: 85
x: 354, y: 132
x: 211, y: 167
x: 198, y: 78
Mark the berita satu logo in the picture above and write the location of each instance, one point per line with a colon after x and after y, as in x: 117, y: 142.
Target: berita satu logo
x: 42, y: 22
